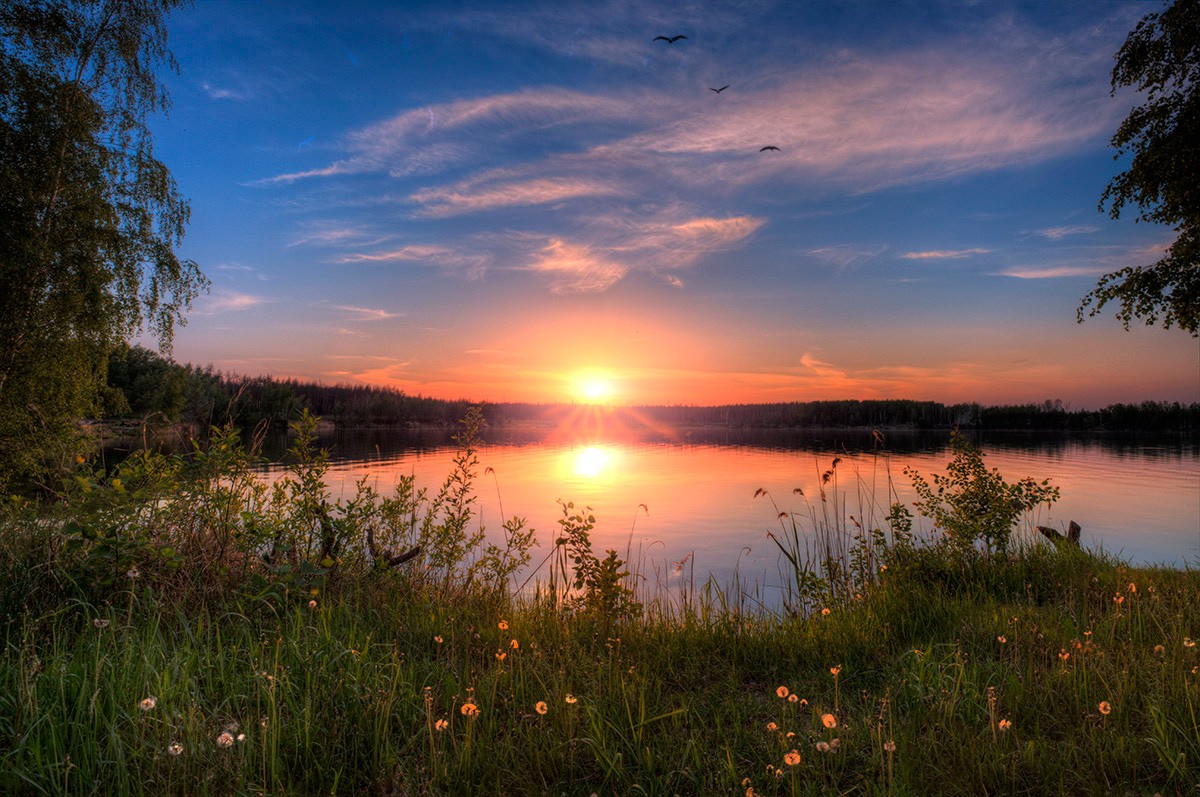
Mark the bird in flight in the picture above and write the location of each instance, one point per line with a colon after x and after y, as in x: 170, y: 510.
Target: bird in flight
x: 710, y: 88
x: 769, y: 146
x: 671, y: 40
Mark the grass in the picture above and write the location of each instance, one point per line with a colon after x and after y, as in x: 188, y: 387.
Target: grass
x: 946, y: 671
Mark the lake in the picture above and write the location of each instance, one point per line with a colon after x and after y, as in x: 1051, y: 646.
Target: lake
x: 662, y: 496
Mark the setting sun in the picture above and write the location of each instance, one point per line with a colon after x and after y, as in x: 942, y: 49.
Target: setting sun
x: 593, y: 389
x: 590, y: 461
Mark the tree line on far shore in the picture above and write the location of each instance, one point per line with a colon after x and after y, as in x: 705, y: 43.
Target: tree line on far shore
x: 144, y: 386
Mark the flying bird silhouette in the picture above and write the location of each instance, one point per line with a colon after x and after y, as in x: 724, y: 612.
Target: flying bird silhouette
x: 769, y: 146
x: 710, y: 88
x: 671, y: 40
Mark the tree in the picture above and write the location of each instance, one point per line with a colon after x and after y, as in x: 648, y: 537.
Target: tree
x: 91, y: 217
x: 1161, y: 58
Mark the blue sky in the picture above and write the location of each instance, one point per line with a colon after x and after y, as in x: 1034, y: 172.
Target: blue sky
x: 500, y: 201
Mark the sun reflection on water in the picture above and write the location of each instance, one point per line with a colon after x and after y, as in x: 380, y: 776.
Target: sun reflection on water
x: 591, y: 461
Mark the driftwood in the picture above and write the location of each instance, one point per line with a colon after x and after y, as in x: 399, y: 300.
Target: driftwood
x: 387, y: 558
x: 1055, y: 536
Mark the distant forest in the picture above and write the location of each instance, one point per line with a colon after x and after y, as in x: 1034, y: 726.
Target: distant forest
x: 144, y: 386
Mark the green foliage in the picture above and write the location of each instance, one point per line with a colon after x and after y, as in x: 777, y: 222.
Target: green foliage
x: 91, y: 217
x: 971, y: 504
x: 1161, y: 59
x: 581, y: 581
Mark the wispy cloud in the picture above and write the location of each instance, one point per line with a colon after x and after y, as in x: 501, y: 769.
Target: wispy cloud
x: 844, y: 256
x: 944, y: 254
x: 224, y: 301
x: 367, y: 313
x: 1051, y: 272
x: 574, y: 268
x: 221, y: 93
x: 471, y: 263
x: 1058, y: 233
x: 472, y: 197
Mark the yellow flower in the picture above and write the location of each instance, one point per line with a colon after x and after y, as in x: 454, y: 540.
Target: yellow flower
x: 502, y: 625
x: 501, y: 655
x: 541, y: 707
x: 441, y: 725
x: 514, y: 644
x: 1118, y: 599
x: 835, y: 670
x: 1005, y: 725
x: 825, y: 612
x: 1159, y: 650
x: 312, y: 604
x: 793, y: 697
x: 829, y: 721
x: 1105, y: 707
x: 438, y: 639
x: 148, y: 703
x: 1132, y: 587
x: 571, y: 699
x: 772, y: 727
x: 1002, y: 639
x: 469, y: 709
x: 1188, y: 642
x: 782, y: 691
x: 792, y: 758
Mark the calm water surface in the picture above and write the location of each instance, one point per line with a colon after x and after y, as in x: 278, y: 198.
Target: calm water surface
x: 666, y: 496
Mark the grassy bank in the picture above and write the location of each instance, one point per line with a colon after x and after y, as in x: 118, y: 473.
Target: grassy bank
x: 190, y: 646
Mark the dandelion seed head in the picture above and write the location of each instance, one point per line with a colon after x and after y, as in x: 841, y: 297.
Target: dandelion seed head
x: 241, y: 737
x: 100, y: 622
x: 890, y: 746
x: 822, y: 747
x: 225, y: 740
x: 175, y: 748
x: 148, y: 703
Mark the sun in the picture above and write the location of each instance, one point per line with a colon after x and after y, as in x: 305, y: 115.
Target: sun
x: 593, y: 389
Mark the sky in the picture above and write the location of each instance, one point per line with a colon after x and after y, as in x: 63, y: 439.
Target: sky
x: 540, y: 202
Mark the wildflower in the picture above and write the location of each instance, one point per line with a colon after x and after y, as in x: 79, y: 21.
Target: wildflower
x: 792, y: 758
x: 825, y: 612
x: 102, y: 623
x: 541, y: 707
x: 148, y: 703
x: 829, y: 721
x: 571, y: 699
x: 772, y: 727
x: 1132, y: 588
x: 1002, y: 639
x: 1105, y: 707
x: 833, y: 743
x: 882, y: 568
x: 1159, y: 650
x: 803, y: 702
x: 890, y: 746
x: 1004, y: 724
x: 241, y: 737
x: 469, y: 709
x: 225, y: 740
x: 834, y: 671
x: 750, y: 791
x: 312, y: 604
x: 501, y: 655
x: 79, y: 460
x: 791, y: 735
x: 438, y: 639
x: 793, y: 697
x: 175, y: 748
x: 441, y: 725
x: 1063, y: 655
x: 502, y: 625
x: 823, y: 747
x: 1188, y: 642
x: 514, y: 644
x: 1118, y: 599
x: 116, y: 483
x: 782, y: 691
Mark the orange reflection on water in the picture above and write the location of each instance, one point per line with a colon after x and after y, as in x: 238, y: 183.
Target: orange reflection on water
x: 591, y: 461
